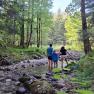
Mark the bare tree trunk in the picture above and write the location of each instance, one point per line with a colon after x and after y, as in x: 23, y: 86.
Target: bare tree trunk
x: 31, y: 30
x: 22, y: 34
x: 31, y: 26
x: 87, y: 46
x: 41, y: 32
x: 22, y: 29
x: 28, y: 25
x: 27, y: 33
x: 14, y: 31
x: 37, y: 31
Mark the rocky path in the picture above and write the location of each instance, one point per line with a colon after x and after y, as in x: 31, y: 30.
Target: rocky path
x: 9, y: 75
x: 35, y: 70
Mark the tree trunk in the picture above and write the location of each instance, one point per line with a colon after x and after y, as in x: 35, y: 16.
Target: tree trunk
x: 14, y: 31
x: 28, y: 25
x: 31, y: 25
x: 37, y: 31
x: 87, y: 46
x: 22, y: 34
x: 27, y: 34
x: 41, y: 33
x: 31, y: 30
x: 22, y: 29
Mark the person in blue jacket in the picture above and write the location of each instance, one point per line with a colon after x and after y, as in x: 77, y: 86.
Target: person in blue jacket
x: 55, y: 58
x: 49, y: 55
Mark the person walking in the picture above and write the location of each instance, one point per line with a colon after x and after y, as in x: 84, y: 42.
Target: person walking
x: 55, y: 58
x: 49, y: 55
x: 63, y: 53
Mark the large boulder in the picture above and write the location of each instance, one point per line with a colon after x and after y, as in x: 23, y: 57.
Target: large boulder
x: 40, y: 87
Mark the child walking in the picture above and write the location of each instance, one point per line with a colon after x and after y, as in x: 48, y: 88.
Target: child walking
x: 55, y: 58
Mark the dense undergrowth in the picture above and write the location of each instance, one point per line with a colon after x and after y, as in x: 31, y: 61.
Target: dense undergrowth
x: 86, y: 67
x: 85, y: 74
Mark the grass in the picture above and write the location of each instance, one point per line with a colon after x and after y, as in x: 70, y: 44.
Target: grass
x: 74, y: 79
x: 84, y: 92
x: 18, y: 54
x: 57, y: 70
x: 57, y: 76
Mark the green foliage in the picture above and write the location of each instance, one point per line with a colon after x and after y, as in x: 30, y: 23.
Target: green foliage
x: 57, y: 73
x: 73, y: 27
x: 18, y: 54
x: 72, y: 8
x: 84, y: 92
x: 57, y: 70
x: 86, y: 68
x: 74, y: 79
x: 57, y: 30
x: 17, y: 13
x: 57, y: 76
x: 83, y: 84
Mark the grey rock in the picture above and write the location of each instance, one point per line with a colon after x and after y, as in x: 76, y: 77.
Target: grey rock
x: 21, y: 90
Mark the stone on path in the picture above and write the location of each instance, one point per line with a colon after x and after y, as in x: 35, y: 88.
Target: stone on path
x: 40, y: 87
x: 21, y: 90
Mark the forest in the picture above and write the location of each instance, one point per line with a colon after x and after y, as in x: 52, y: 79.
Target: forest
x: 27, y: 27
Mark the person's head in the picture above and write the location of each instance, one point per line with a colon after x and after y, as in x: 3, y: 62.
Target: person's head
x: 63, y: 47
x: 50, y: 45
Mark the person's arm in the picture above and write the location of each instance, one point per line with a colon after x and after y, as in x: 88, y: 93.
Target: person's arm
x: 61, y: 50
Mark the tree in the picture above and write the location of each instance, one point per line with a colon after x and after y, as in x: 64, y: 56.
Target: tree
x: 87, y: 46
x: 84, y: 5
x: 73, y: 32
x: 31, y: 24
x: 22, y: 25
x: 18, y: 19
x: 56, y: 34
x: 42, y: 20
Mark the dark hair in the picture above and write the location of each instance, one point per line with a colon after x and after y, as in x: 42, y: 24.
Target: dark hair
x: 63, y: 47
x: 50, y: 45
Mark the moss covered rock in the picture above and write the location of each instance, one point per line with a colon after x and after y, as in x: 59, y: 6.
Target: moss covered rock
x: 40, y: 87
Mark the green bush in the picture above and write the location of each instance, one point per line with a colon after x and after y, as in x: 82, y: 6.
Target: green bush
x: 86, y: 67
